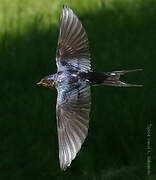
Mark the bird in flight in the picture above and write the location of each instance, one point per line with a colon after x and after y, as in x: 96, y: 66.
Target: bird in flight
x: 73, y: 80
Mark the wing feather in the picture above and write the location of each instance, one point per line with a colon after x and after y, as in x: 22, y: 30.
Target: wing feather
x: 73, y: 48
x: 72, y: 121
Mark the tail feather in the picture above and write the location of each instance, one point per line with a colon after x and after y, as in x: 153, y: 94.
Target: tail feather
x: 113, y: 78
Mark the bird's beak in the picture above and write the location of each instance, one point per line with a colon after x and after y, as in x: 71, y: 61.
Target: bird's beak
x: 39, y: 83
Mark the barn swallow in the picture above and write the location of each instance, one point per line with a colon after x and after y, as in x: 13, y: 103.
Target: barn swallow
x: 73, y: 80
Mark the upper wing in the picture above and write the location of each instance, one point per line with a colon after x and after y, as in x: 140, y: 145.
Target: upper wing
x: 72, y: 47
x: 72, y: 110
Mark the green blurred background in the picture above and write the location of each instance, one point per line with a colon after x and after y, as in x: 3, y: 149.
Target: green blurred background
x: 122, y: 35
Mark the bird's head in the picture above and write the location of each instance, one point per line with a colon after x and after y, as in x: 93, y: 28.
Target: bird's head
x: 47, y: 81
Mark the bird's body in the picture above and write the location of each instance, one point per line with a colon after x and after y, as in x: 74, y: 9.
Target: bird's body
x: 73, y: 80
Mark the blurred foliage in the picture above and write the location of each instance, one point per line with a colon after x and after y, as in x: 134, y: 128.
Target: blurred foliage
x: 122, y: 36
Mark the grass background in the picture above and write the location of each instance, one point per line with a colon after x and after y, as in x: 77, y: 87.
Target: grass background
x: 122, y: 35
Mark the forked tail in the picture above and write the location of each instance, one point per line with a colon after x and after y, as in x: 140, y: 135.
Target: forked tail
x: 113, y: 78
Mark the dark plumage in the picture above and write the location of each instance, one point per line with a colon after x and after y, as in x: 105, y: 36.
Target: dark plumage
x: 73, y: 81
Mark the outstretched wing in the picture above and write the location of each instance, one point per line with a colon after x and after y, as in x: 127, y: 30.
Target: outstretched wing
x: 72, y: 50
x: 72, y: 110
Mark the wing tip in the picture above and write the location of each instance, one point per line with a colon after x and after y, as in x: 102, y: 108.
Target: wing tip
x: 65, y: 6
x: 65, y: 165
x: 63, y: 168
